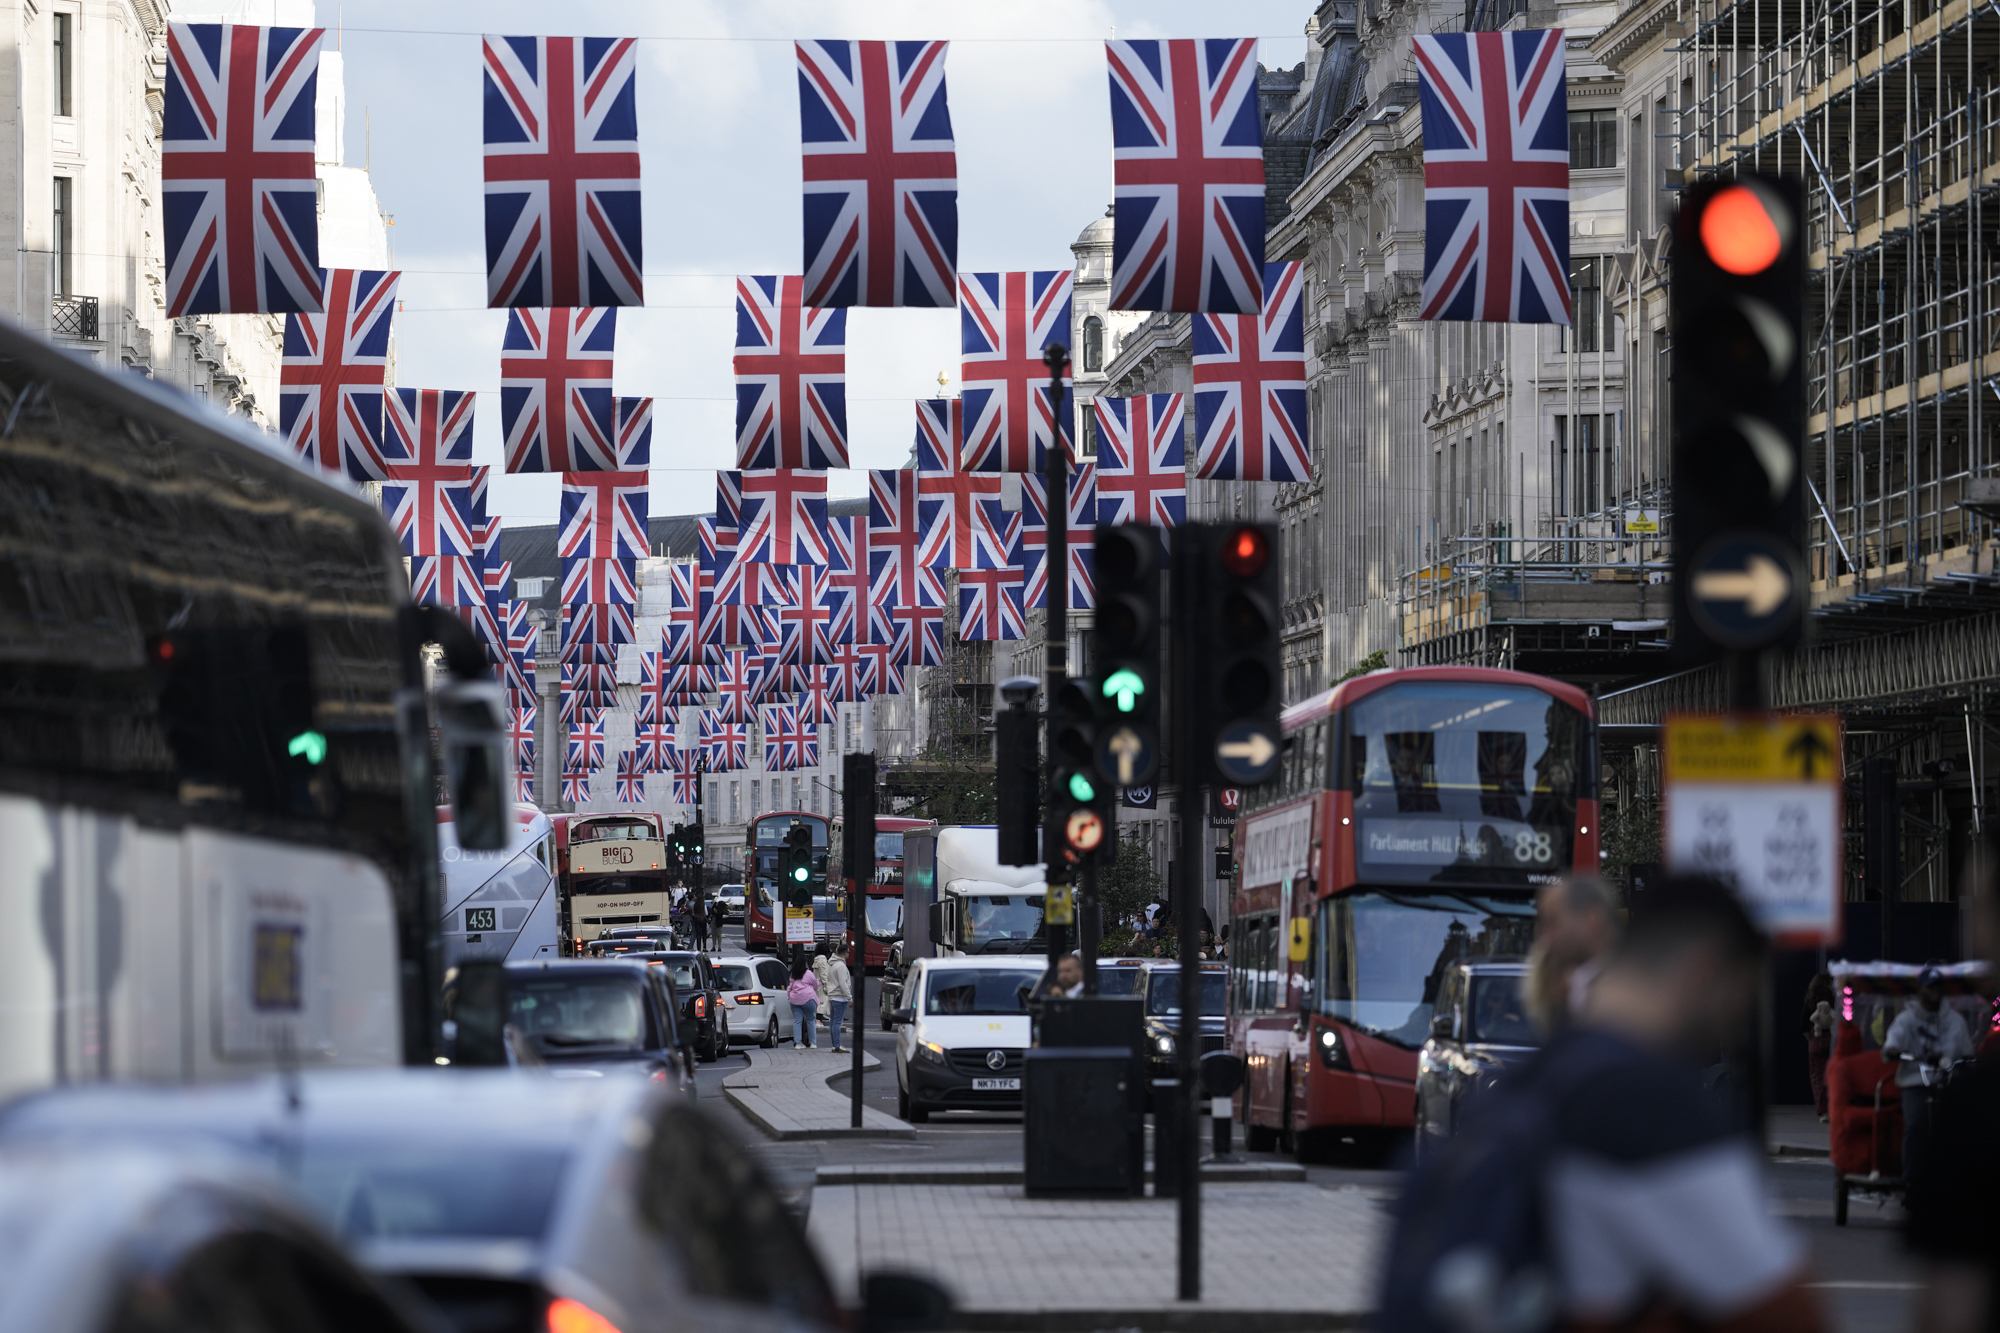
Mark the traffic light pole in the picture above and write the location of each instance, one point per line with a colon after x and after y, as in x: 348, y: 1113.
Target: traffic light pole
x: 1185, y: 589
x: 1055, y: 478
x: 858, y: 853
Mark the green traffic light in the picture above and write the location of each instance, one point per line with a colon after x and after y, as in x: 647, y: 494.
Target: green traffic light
x: 1123, y: 687
x: 800, y: 873
x: 1080, y: 788
x: 310, y: 744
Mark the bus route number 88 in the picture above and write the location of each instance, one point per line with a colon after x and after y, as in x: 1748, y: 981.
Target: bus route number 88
x: 1530, y: 845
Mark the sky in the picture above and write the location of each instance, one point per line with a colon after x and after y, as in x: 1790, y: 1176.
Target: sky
x: 719, y: 145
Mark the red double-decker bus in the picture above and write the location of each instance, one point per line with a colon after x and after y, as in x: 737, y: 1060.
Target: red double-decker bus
x: 764, y: 844
x: 1416, y: 814
x: 883, y: 896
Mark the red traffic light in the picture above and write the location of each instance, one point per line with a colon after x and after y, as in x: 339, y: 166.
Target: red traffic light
x: 1245, y: 552
x: 1743, y: 230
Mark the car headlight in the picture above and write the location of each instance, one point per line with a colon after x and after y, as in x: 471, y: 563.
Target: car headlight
x: 1332, y: 1050
x: 1164, y: 1045
x: 931, y: 1051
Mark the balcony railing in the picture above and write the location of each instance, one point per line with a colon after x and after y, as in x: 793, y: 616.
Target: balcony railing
x: 75, y: 317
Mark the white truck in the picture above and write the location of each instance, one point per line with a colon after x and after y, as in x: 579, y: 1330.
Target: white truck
x: 959, y: 899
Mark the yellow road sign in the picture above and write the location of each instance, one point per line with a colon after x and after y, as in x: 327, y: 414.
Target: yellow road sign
x: 1059, y: 908
x: 1752, y: 747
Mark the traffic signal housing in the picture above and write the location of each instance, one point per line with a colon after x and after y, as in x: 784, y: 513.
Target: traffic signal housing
x: 1079, y: 805
x: 795, y: 867
x: 1738, y: 324
x: 235, y: 705
x: 1226, y: 617
x: 1126, y: 651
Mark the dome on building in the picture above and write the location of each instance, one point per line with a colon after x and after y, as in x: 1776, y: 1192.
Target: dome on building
x: 1097, y: 233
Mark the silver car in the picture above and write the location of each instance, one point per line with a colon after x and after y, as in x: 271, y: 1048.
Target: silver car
x: 755, y: 984
x: 505, y: 1198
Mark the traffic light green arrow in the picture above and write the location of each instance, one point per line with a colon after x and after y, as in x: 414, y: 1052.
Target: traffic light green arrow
x: 1123, y: 687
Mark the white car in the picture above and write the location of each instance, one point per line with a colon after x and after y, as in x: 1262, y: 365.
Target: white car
x: 730, y: 896
x: 755, y: 984
x: 962, y: 1034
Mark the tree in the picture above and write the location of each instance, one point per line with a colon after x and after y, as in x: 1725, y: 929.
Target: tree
x: 949, y: 788
x: 1129, y: 883
x: 1375, y: 661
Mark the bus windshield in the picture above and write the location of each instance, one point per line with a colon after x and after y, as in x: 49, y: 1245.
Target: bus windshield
x: 885, y: 918
x: 1464, y: 782
x: 620, y: 831
x: 1385, y: 954
x: 888, y: 846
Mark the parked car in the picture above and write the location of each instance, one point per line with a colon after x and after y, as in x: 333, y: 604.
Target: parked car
x: 963, y: 1034
x: 1117, y: 977
x: 511, y: 1201
x: 1479, y: 1026
x: 601, y: 1013
x: 755, y: 984
x: 112, y: 1238
x: 1160, y: 985
x: 704, y: 1014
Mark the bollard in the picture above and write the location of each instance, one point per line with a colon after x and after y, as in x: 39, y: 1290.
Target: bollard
x: 1219, y: 1111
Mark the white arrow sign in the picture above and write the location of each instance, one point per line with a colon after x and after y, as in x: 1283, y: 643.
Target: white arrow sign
x: 1258, y: 749
x: 1762, y: 585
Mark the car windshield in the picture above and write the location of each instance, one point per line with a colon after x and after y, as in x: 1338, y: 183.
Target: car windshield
x: 1498, y: 1013
x: 682, y: 970
x: 1117, y: 980
x: 885, y: 918
x: 408, y: 1189
x: 1387, y: 954
x: 1163, y: 993
x: 981, y: 990
x: 999, y: 922
x: 734, y: 976
x: 563, y: 1012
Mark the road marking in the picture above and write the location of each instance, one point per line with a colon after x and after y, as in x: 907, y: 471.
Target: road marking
x: 1864, y: 1286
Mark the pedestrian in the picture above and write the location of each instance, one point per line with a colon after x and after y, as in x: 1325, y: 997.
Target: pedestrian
x: 1602, y: 1183
x: 1928, y: 1033
x: 820, y: 966
x: 839, y: 991
x: 697, y: 914
x: 1819, y: 1036
x: 804, y: 996
x: 1953, y: 1224
x: 1575, y: 924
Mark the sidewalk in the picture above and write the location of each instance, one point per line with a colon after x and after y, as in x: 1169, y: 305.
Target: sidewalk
x: 784, y: 1093
x: 1276, y: 1257
x: 1794, y: 1131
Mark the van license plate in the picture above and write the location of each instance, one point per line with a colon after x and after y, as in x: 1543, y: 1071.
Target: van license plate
x: 996, y: 1085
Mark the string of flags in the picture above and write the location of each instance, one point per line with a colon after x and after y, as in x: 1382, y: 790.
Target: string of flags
x: 787, y: 611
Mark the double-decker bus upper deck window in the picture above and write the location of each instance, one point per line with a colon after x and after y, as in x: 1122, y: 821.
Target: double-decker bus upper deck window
x: 1464, y: 782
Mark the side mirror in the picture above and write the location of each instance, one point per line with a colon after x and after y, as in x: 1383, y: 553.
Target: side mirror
x: 1441, y: 1027
x: 472, y: 719
x: 937, y: 924
x: 898, y: 1017
x: 903, y: 1303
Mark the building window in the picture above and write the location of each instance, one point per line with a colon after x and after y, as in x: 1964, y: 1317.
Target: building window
x: 1593, y: 139
x: 1586, y: 303
x: 756, y: 798
x: 1577, y: 469
x: 714, y: 802
x: 1093, y: 345
x: 59, y: 240
x: 64, y: 51
x: 778, y: 794
x: 1089, y: 449
x: 815, y: 795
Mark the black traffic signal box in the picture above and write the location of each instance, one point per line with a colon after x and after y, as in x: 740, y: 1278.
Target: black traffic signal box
x: 1738, y: 323
x: 235, y: 704
x: 1226, y: 599
x: 1126, y: 653
x: 795, y: 869
x: 1080, y: 806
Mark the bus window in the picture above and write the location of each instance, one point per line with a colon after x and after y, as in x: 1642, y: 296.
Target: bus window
x: 1383, y: 957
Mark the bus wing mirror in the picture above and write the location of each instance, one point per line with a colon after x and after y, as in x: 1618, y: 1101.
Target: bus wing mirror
x: 472, y: 720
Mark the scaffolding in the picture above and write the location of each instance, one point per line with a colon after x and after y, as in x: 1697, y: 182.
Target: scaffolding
x: 1888, y: 112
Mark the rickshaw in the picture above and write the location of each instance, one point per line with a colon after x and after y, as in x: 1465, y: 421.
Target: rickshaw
x: 1864, y: 1107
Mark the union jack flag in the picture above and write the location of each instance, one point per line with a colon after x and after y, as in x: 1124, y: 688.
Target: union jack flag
x: 739, y: 684
x: 817, y: 704
x: 446, y: 580
x: 726, y: 744
x: 425, y: 428
x: 779, y: 720
x: 1496, y: 176
x: 330, y: 382
x: 881, y: 177
x: 917, y: 624
x: 1005, y: 321
x: 884, y: 671
x: 654, y: 702
x: 655, y: 747
x: 850, y: 546
x: 989, y: 605
x: 587, y: 580
x: 524, y: 788
x: 1032, y: 549
x: 728, y: 500
x: 896, y: 534
x: 846, y: 675
x: 1142, y: 460
x: 956, y: 535
x: 562, y: 172
x: 604, y: 515
x: 521, y: 733
x: 687, y: 778
x: 791, y: 378
x: 809, y: 625
x: 586, y: 745
x: 1187, y: 175
x: 691, y: 684
x: 557, y: 411
x: 635, y: 433
x: 940, y: 433
x: 576, y: 785
x: 594, y: 624
x: 238, y: 198
x: 683, y: 614
x: 631, y: 779
x: 1250, y: 387
x: 428, y: 499
x: 788, y: 525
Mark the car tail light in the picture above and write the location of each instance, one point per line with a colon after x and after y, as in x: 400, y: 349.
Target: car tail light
x: 701, y: 1006
x: 568, y: 1316
x: 750, y: 997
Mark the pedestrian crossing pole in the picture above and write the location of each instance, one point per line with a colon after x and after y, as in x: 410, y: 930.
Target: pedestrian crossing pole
x: 857, y: 854
x: 1059, y: 903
